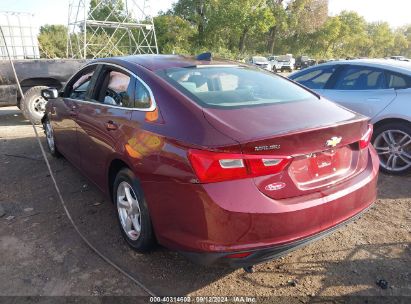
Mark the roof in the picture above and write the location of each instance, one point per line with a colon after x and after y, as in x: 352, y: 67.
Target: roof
x: 155, y: 62
x: 389, y: 64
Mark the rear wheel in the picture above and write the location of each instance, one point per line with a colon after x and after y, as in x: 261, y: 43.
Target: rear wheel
x: 392, y: 142
x: 132, y: 211
x: 33, y: 105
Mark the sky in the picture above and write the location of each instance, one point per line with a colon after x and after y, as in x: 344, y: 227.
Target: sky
x: 56, y: 11
x: 395, y: 12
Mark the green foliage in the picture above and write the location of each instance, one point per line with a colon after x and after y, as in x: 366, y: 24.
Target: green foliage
x: 174, y: 34
x: 381, y: 39
x: 237, y: 29
x: 53, y: 41
x: 281, y: 26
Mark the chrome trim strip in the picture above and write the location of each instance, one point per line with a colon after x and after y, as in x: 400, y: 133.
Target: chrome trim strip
x: 152, y: 107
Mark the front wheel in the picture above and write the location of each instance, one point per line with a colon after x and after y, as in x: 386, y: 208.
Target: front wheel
x: 50, y: 139
x: 132, y: 211
x: 392, y: 142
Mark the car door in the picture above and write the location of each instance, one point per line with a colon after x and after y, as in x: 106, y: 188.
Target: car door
x: 360, y: 88
x: 65, y: 110
x: 104, y: 120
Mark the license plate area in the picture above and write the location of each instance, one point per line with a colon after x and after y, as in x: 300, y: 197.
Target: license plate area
x: 322, y: 168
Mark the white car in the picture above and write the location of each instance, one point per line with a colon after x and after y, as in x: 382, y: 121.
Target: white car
x: 261, y: 62
x: 401, y: 58
x: 377, y: 88
x: 275, y: 64
x: 287, y: 62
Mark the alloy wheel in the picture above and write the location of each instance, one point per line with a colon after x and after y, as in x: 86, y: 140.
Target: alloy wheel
x: 129, y: 211
x: 50, y: 137
x: 394, y: 149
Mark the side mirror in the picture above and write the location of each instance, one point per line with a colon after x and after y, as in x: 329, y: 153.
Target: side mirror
x: 50, y: 93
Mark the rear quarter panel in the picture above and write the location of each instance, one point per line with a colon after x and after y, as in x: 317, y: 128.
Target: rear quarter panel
x: 400, y: 108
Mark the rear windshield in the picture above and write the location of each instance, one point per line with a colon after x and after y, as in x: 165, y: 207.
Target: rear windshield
x: 225, y: 87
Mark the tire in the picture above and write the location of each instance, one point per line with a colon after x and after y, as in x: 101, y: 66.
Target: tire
x: 33, y: 104
x: 50, y: 139
x: 135, y: 223
x: 392, y: 141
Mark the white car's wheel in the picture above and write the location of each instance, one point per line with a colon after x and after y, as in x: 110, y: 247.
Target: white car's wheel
x: 392, y: 142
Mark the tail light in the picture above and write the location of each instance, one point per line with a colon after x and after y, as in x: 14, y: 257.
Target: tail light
x: 216, y: 167
x: 365, y: 140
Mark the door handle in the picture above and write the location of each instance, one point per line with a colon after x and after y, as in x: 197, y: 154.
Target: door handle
x: 111, y: 125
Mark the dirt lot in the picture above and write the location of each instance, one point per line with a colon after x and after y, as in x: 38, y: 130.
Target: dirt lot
x: 41, y: 254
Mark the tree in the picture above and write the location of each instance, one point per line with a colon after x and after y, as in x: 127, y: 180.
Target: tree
x: 401, y: 44
x: 403, y: 37
x: 327, y: 37
x: 196, y: 12
x: 279, y: 13
x: 53, y: 41
x: 107, y: 10
x: 381, y: 39
x: 305, y: 17
x: 234, y: 22
x: 352, y: 40
x: 174, y: 34
x: 233, y: 28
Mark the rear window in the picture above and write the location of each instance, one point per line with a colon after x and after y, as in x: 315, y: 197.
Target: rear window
x: 225, y: 87
x: 396, y: 81
x: 315, y: 79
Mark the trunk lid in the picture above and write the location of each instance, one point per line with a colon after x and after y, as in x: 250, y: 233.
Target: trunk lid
x: 320, y: 136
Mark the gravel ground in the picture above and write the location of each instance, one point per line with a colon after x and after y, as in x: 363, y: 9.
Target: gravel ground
x: 41, y: 254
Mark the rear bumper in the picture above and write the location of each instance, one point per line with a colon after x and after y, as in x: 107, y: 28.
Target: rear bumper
x: 208, y: 222
x: 262, y: 255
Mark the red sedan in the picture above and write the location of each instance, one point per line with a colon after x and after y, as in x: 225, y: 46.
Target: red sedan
x: 222, y: 162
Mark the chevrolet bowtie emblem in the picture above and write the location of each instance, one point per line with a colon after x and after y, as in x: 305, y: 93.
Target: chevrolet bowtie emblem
x: 333, y: 142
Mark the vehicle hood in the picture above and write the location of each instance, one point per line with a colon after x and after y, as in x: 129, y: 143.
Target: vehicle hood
x: 265, y: 121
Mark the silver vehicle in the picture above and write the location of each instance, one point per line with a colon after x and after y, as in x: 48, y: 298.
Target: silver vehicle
x: 261, y: 62
x: 380, y: 89
x: 275, y: 64
x: 401, y: 58
x: 287, y: 62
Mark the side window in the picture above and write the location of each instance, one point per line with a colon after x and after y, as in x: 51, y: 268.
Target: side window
x: 117, y: 89
x: 360, y: 78
x: 142, y: 99
x: 79, y: 85
x: 398, y: 81
x: 315, y: 79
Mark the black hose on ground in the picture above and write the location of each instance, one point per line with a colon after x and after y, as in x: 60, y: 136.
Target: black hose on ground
x: 94, y: 249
